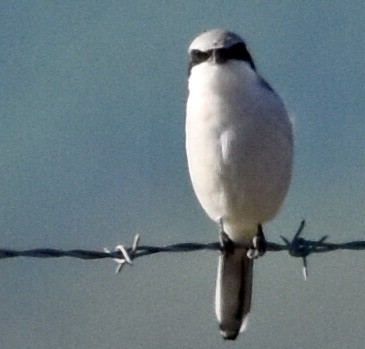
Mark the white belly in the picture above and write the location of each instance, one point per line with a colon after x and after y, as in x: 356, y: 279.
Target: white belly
x: 239, y: 150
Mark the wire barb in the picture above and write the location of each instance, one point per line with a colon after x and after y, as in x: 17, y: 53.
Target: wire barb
x: 300, y: 247
x: 126, y: 255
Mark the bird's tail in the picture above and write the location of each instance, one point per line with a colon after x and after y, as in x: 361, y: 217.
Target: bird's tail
x: 233, y: 292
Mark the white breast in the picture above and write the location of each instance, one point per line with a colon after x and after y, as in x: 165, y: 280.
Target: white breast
x: 239, y: 146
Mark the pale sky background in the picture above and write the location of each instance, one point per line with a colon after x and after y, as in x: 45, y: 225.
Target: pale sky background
x: 92, y: 99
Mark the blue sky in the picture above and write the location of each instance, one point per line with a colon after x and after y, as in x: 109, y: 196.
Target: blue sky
x: 92, y: 151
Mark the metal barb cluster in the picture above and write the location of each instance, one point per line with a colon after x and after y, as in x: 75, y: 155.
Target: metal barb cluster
x: 127, y: 256
x: 296, y: 247
x: 299, y: 247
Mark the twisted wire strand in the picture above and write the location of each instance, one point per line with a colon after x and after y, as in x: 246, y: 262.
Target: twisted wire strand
x: 145, y: 250
x: 297, y: 247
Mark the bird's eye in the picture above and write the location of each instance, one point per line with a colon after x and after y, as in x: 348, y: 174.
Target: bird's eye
x: 198, y: 56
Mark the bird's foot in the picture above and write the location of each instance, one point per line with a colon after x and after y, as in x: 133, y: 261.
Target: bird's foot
x: 227, y: 245
x: 259, y: 244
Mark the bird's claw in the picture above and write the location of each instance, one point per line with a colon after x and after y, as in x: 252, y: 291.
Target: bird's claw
x: 227, y: 245
x: 259, y: 244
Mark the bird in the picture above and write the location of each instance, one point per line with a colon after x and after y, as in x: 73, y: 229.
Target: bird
x: 239, y: 147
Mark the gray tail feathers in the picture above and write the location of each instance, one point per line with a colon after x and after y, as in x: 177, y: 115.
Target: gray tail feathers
x: 233, y: 292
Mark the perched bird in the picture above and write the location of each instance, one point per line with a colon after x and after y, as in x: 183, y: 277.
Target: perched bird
x: 239, y: 146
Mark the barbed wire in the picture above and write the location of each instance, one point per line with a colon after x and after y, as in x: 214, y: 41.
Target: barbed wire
x: 296, y: 247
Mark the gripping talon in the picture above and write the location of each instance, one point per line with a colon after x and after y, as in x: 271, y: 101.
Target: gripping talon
x: 227, y: 245
x: 259, y: 244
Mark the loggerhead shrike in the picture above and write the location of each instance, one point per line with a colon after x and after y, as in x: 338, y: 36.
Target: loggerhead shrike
x: 239, y: 146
